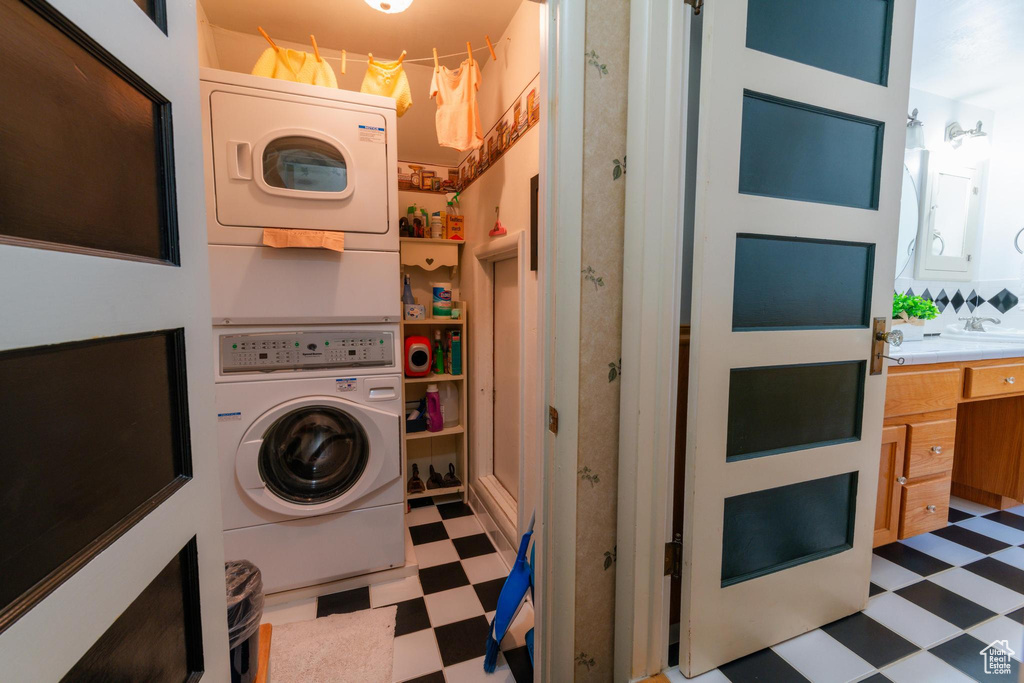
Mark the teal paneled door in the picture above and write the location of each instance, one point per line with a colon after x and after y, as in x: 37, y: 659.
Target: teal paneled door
x: 800, y: 152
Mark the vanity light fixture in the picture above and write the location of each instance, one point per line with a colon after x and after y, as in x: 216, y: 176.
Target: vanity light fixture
x: 955, y: 134
x: 915, y: 131
x: 389, y: 6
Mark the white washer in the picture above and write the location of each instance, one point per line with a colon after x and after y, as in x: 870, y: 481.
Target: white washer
x: 309, y: 442
x: 294, y: 156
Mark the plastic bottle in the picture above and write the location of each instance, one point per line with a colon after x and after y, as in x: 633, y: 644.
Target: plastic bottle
x: 436, y: 226
x: 438, y: 354
x: 435, y: 419
x: 407, y: 297
x: 450, y: 404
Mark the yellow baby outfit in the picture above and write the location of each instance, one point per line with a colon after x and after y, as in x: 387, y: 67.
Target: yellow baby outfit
x: 388, y: 79
x: 296, y: 66
x: 458, y: 116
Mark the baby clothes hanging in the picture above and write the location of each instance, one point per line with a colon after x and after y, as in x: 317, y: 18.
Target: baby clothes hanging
x: 296, y: 66
x: 458, y: 117
x: 388, y: 79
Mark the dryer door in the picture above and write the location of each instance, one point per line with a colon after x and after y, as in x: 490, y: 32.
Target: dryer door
x: 317, y: 454
x: 298, y: 164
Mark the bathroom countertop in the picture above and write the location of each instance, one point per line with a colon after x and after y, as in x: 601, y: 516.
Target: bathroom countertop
x: 939, y: 350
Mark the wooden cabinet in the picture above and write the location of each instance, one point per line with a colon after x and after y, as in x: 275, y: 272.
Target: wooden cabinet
x: 963, y: 433
x: 924, y: 506
x: 890, y: 470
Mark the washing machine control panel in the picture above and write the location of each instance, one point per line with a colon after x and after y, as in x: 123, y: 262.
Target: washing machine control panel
x: 293, y: 350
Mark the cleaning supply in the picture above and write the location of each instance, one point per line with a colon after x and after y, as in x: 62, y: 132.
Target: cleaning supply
x: 418, y: 221
x: 455, y: 353
x: 449, y: 404
x: 511, y: 596
x: 436, y: 226
x: 442, y: 302
x: 407, y: 298
x: 388, y: 79
x: 438, y: 354
x: 458, y: 117
x: 435, y: 421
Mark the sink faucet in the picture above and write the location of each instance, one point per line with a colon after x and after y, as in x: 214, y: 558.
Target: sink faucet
x: 976, y: 324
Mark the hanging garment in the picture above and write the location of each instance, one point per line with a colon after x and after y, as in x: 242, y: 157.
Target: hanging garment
x: 296, y: 66
x: 388, y: 79
x: 458, y: 117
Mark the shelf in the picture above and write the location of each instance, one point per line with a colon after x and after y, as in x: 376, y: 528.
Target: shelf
x: 431, y: 240
x: 447, y: 431
x: 435, y: 492
x: 434, y: 321
x: 434, y: 378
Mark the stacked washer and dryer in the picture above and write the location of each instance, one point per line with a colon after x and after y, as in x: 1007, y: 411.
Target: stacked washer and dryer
x: 308, y: 375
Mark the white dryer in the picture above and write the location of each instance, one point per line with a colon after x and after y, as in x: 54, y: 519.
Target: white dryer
x: 309, y: 441
x: 294, y: 156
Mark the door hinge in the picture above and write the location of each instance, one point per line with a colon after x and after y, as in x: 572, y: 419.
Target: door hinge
x: 552, y: 420
x: 674, y: 557
x: 697, y: 5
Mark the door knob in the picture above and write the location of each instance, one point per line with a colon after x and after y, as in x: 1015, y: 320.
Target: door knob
x: 893, y: 337
x: 901, y: 480
x: 930, y: 508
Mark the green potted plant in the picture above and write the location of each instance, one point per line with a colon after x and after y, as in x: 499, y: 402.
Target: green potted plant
x: 909, y: 314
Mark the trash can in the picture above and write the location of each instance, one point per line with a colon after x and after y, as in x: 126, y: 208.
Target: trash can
x: 245, y: 610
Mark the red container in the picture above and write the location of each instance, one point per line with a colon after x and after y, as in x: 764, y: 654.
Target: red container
x: 417, y: 356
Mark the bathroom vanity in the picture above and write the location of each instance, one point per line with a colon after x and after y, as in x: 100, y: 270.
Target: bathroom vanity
x: 954, y: 425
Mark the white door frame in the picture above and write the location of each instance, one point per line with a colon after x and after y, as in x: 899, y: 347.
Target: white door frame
x: 651, y: 271
x: 563, y: 32
x: 505, y: 511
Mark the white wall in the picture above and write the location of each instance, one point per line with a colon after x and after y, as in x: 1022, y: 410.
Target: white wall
x: 1004, y: 208
x: 207, y: 49
x: 506, y: 184
x: 417, y: 134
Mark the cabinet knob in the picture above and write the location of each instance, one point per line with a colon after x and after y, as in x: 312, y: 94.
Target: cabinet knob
x: 936, y: 449
x: 901, y: 480
x: 930, y: 508
x: 1011, y: 380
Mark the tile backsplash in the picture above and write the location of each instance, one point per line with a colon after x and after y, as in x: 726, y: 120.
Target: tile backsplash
x: 987, y: 298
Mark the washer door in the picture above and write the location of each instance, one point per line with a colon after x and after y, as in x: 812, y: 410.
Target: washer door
x: 317, y: 454
x: 313, y: 454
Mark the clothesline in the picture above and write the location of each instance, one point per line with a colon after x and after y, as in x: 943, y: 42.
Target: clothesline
x: 407, y: 59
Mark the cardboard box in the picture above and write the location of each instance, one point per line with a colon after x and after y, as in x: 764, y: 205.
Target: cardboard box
x: 455, y: 227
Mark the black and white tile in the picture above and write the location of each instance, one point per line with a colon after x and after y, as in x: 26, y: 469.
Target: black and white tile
x: 936, y: 600
x: 444, y: 611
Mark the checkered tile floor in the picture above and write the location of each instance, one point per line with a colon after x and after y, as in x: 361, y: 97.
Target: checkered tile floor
x: 936, y: 600
x: 444, y: 612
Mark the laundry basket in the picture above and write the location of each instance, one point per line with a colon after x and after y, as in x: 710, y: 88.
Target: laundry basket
x: 245, y: 610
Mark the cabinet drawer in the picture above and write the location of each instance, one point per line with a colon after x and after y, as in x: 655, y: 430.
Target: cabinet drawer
x: 994, y: 380
x: 925, y: 506
x: 930, y: 448
x: 907, y: 393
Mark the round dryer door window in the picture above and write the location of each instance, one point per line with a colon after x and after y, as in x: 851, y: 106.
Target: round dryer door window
x: 313, y: 454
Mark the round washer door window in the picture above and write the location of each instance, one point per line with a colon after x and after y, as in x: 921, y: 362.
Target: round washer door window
x: 313, y: 455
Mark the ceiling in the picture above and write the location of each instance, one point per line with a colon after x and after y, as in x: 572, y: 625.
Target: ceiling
x: 354, y: 26
x: 972, y: 51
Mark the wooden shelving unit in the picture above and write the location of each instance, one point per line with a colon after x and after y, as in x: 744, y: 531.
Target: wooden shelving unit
x: 450, y: 445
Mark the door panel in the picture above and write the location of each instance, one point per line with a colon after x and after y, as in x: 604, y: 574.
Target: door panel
x: 112, y: 435
x: 506, y: 374
x: 781, y: 326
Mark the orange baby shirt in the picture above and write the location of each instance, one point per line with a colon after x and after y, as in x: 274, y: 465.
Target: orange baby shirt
x: 458, y: 117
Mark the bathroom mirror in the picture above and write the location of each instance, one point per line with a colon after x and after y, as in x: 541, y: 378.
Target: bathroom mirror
x: 910, y: 212
x: 949, y: 222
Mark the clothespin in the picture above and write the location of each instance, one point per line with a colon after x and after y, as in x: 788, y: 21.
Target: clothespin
x: 437, y: 67
x: 316, y: 50
x: 344, y: 60
x: 264, y: 34
x: 490, y: 48
x: 402, y: 56
x: 469, y: 49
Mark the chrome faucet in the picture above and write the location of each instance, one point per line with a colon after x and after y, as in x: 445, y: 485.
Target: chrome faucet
x: 976, y: 324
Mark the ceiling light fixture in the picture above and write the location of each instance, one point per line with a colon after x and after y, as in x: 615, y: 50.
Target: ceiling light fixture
x: 389, y: 6
x: 915, y: 131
